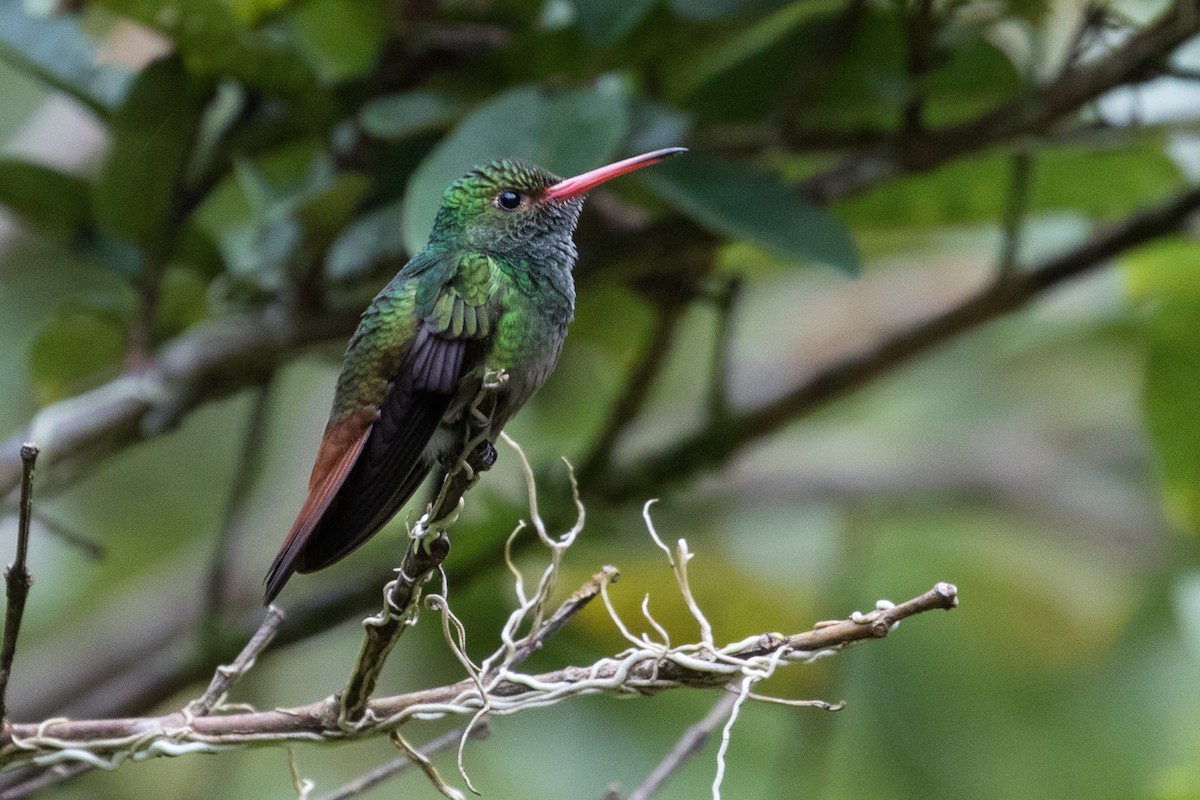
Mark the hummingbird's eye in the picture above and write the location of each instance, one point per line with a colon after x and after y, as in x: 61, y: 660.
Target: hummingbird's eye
x: 509, y: 200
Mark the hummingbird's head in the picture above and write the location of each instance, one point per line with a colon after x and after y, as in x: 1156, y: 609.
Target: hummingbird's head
x: 514, y: 208
x: 502, y: 208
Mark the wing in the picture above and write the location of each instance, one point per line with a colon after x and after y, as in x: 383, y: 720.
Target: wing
x: 373, y: 457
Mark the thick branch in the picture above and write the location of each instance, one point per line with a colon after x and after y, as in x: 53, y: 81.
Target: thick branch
x: 1034, y: 113
x: 179, y: 734
x: 209, y: 363
x: 710, y: 446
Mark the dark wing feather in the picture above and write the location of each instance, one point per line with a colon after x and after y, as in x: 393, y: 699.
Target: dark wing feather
x: 372, y: 462
x: 390, y: 467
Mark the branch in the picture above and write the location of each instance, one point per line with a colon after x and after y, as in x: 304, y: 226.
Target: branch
x: 717, y: 441
x: 108, y: 742
x: 17, y: 577
x: 212, y: 361
x: 249, y: 465
x: 637, y: 388
x: 427, y: 548
x: 398, y: 766
x: 1035, y: 113
x: 226, y: 675
x: 685, y: 749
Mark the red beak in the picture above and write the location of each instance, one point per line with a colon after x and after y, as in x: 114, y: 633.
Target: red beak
x: 573, y: 187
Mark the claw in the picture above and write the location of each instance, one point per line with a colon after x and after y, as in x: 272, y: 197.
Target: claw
x: 485, y: 455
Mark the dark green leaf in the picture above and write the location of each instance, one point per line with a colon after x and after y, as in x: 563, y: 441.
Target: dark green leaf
x: 735, y: 201
x: 198, y: 250
x: 605, y: 22
x: 567, y: 132
x: 152, y: 135
x: 56, y: 51
x: 398, y: 116
x: 44, y: 197
x: 684, y: 75
x: 324, y: 213
x: 707, y: 10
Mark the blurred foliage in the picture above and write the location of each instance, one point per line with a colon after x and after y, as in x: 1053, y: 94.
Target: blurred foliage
x: 293, y: 152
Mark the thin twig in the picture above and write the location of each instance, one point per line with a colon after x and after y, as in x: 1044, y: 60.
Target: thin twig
x: 920, y: 29
x: 249, y: 465
x: 398, y: 766
x: 1014, y: 213
x: 637, y: 388
x: 726, y: 302
x: 17, y: 578
x: 31, y: 782
x: 415, y: 756
x: 226, y: 675
x: 689, y: 745
x: 565, y: 612
x: 92, y: 549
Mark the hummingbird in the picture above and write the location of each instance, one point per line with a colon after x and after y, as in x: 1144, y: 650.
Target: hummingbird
x: 492, y: 292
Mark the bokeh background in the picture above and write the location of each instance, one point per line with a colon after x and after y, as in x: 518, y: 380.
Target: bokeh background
x: 169, y: 168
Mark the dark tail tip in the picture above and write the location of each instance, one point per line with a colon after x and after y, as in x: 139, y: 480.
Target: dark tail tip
x: 277, y: 577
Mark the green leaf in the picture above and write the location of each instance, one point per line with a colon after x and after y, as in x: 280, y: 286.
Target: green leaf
x: 709, y: 10
x: 398, y: 116
x: 735, y: 201
x: 214, y: 43
x: 1170, y: 268
x: 606, y: 22
x: 341, y: 40
x: 1171, y: 402
x: 1164, y: 279
x: 685, y: 75
x: 325, y: 213
x: 182, y: 302
x: 71, y: 346
x: 1093, y: 181
x: 57, y: 51
x: 46, y: 198
x: 567, y: 132
x: 152, y: 134
x: 253, y: 12
x: 198, y: 250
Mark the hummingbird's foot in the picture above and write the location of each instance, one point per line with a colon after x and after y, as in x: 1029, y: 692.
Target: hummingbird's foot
x: 494, y: 379
x: 484, y: 456
x: 426, y: 530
